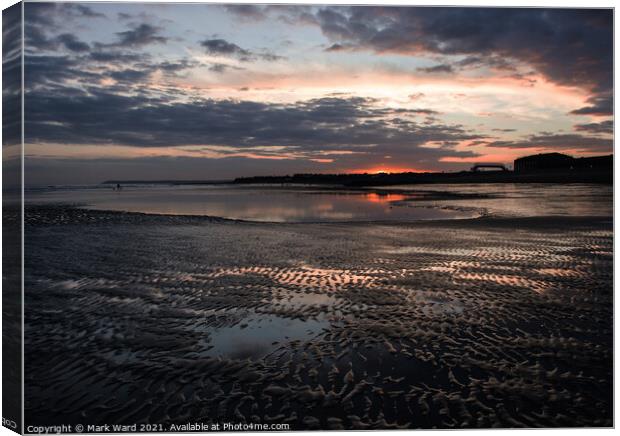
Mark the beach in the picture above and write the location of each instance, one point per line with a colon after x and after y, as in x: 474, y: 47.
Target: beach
x: 174, y: 319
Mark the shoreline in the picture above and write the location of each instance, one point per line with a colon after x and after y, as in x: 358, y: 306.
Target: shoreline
x: 74, y: 214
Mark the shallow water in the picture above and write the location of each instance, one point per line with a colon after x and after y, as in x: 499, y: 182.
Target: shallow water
x: 332, y: 204
x: 266, y: 204
x: 525, y: 199
x: 258, y: 337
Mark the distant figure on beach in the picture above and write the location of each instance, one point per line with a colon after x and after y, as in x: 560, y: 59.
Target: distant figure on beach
x: 118, y: 187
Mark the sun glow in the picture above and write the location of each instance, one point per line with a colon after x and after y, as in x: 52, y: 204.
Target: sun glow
x: 388, y: 170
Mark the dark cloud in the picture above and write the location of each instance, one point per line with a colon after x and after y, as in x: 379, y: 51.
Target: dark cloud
x: 603, y: 127
x: 222, y: 68
x: 36, y: 41
x: 470, y: 62
x: 84, y: 11
x: 41, y: 14
x: 335, y: 47
x: 340, y: 47
x: 247, y: 12
x: 526, y: 79
x: 270, y: 57
x: 41, y: 71
x: 218, y: 68
x: 309, y: 128
x: 42, y: 18
x: 53, y: 60
x: 71, y: 42
x: 289, y: 14
x: 115, y: 57
x: 560, y: 141
x: 50, y: 13
x: 492, y: 62
x: 423, y: 111
x: 52, y: 72
x: 572, y: 47
x: 295, y: 16
x: 140, y: 35
x: 441, y: 68
x: 176, y: 67
x: 601, y: 105
x: 130, y: 75
x: 221, y: 47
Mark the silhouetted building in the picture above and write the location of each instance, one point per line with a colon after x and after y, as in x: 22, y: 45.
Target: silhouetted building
x: 600, y: 163
x: 559, y: 161
x: 544, y: 161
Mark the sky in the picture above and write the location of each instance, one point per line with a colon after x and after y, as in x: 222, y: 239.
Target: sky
x: 212, y: 92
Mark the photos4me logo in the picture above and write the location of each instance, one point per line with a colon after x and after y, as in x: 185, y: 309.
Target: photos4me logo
x: 9, y: 423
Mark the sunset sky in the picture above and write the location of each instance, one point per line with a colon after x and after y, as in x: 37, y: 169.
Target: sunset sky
x: 195, y: 91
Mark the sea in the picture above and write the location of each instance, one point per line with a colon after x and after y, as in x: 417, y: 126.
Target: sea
x: 308, y: 203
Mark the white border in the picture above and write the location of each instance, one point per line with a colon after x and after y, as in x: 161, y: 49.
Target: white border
x: 483, y: 3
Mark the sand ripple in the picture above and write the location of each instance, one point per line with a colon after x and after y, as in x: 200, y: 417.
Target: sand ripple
x: 321, y: 326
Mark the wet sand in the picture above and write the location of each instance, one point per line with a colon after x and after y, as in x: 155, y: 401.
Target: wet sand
x: 134, y: 318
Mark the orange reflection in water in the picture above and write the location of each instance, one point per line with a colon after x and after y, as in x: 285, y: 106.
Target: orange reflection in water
x: 383, y: 198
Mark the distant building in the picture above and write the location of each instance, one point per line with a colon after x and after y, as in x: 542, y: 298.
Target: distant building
x: 544, y: 161
x: 488, y: 167
x: 559, y: 161
x: 599, y: 163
